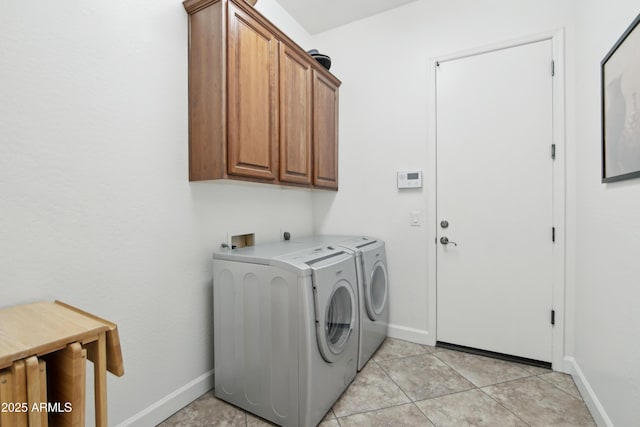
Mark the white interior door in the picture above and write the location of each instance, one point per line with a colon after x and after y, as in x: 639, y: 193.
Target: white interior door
x: 495, y: 188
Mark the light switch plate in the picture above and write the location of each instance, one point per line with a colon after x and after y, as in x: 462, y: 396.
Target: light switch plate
x: 415, y: 218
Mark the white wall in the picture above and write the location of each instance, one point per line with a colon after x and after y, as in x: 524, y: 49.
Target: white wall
x: 607, y: 349
x: 272, y: 10
x: 96, y: 209
x: 384, y: 126
x: 95, y: 205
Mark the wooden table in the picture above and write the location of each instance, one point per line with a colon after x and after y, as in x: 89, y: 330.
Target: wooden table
x: 42, y: 328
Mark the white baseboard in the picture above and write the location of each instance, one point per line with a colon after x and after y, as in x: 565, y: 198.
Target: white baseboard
x: 409, y: 334
x: 590, y: 399
x: 172, y: 403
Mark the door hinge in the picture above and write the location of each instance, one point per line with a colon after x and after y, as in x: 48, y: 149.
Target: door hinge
x: 553, y: 234
x: 553, y: 151
x: 553, y: 68
x: 553, y: 317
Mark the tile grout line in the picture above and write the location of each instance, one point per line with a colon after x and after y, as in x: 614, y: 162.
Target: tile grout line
x: 377, y: 409
x: 528, y: 374
x: 456, y: 371
x: 559, y: 388
x: 425, y: 415
x: 502, y: 406
x: 459, y: 373
x: 368, y: 411
x: 394, y: 381
x: 433, y: 397
x: 400, y: 357
x: 537, y: 377
x: 562, y: 390
x: 511, y: 381
x: 447, y: 394
x: 410, y: 402
x: 476, y: 387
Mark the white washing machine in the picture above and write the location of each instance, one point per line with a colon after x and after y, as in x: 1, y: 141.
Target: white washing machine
x: 286, y: 329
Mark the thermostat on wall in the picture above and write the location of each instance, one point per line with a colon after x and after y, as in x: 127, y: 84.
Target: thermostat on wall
x: 410, y: 179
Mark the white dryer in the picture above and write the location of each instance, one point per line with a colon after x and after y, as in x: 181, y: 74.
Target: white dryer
x: 373, y: 287
x: 286, y: 329
x: 373, y: 293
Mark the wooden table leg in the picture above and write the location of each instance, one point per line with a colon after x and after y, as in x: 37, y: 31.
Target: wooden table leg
x: 7, y: 380
x: 66, y: 376
x: 97, y: 353
x: 34, y: 391
x: 42, y: 368
x: 19, y: 391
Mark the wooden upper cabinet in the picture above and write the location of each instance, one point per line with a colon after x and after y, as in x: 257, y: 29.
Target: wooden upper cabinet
x: 207, y: 96
x: 325, y: 131
x: 252, y: 97
x: 295, y: 117
x: 260, y: 108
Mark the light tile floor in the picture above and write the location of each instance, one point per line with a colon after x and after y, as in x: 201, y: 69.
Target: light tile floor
x: 407, y: 384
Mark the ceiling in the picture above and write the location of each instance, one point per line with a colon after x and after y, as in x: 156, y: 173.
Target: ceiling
x: 317, y: 16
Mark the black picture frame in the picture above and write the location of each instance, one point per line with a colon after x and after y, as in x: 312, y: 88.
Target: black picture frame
x: 620, y: 103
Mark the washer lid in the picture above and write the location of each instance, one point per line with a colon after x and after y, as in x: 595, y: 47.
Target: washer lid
x: 262, y: 253
x: 312, y: 259
x: 361, y: 244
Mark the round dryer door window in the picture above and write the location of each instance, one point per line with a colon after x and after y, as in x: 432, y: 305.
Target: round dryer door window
x: 376, y: 297
x: 338, y: 322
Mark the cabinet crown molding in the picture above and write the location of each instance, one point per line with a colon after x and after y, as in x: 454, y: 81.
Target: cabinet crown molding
x: 192, y: 6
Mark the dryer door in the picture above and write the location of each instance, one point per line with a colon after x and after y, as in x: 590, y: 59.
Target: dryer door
x: 336, y: 308
x: 376, y: 282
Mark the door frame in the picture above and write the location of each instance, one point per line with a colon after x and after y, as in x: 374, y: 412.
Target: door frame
x: 559, y: 177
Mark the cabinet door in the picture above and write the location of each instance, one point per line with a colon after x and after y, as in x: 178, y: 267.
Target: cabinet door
x: 325, y: 132
x: 295, y: 117
x: 252, y: 97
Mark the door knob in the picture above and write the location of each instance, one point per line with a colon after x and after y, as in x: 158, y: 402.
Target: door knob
x: 445, y: 241
x: 444, y: 223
